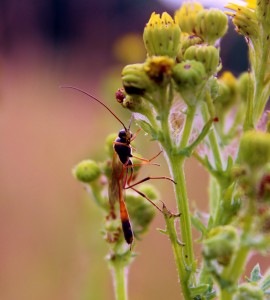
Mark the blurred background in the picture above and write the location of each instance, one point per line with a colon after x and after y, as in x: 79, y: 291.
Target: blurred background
x: 50, y: 241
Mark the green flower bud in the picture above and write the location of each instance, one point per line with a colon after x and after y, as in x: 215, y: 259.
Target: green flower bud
x: 187, y: 41
x: 249, y: 291
x: 220, y: 244
x: 159, y: 69
x: 186, y: 15
x: 211, y: 24
x: 135, y: 80
x: 189, y: 77
x: 140, y: 210
x: 244, y: 86
x: 214, y: 88
x: 254, y: 149
x: 87, y: 171
x: 207, y: 55
x: 227, y: 91
x: 133, y: 103
x: 109, y: 144
x: 162, y: 36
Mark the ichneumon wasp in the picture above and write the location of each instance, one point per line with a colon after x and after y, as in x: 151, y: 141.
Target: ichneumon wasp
x: 122, y: 170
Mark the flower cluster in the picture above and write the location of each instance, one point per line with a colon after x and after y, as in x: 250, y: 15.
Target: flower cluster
x: 182, y: 100
x: 183, y: 60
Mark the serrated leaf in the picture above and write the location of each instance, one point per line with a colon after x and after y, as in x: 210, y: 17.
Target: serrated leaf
x: 229, y: 163
x: 265, y: 284
x: 255, y: 274
x: 163, y: 231
x: 210, y: 222
x: 198, y: 224
x: 146, y: 127
x: 199, y: 290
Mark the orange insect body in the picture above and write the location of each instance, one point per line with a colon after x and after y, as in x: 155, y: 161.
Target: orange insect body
x: 120, y: 179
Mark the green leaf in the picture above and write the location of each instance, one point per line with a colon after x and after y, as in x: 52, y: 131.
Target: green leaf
x: 197, y: 223
x: 255, y: 274
x: 187, y: 151
x: 199, y: 290
x: 265, y: 284
x: 229, y: 164
x: 146, y: 127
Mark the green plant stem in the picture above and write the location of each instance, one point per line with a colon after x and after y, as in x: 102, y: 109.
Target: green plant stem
x: 259, y: 81
x: 235, y: 269
x: 119, y: 273
x: 214, y: 194
x: 176, y: 163
x: 213, y: 140
x: 184, y: 256
x: 226, y: 295
x: 249, y: 122
x: 178, y: 251
x: 215, y: 206
x: 183, y: 207
x: 190, y: 114
x: 177, y: 166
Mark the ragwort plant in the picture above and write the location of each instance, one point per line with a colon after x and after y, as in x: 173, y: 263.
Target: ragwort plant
x: 180, y: 98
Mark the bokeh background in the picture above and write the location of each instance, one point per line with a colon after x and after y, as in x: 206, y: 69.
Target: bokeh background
x: 50, y: 241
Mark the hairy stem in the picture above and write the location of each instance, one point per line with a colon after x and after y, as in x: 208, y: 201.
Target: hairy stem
x: 177, y: 251
x: 119, y: 273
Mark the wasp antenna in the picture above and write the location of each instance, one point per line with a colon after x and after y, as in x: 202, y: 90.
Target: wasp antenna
x: 94, y: 98
x: 131, y: 119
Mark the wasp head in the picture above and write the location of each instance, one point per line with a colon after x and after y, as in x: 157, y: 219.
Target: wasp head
x: 125, y: 135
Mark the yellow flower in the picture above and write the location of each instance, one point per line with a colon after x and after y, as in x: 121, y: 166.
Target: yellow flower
x: 186, y: 16
x: 261, y: 8
x: 244, y: 18
x: 162, y: 36
x: 251, y: 4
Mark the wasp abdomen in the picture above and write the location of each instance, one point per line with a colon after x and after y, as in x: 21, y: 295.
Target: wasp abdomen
x: 128, y: 234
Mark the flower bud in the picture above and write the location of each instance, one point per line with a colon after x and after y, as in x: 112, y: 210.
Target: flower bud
x: 214, y: 88
x: 211, y: 24
x: 120, y: 95
x: 187, y: 41
x: 189, y: 77
x: 207, y: 55
x: 254, y: 149
x: 159, y: 69
x: 141, y: 211
x: 186, y: 15
x: 162, y: 36
x: 109, y: 144
x: 244, y: 86
x: 249, y: 291
x: 87, y: 171
x: 137, y: 104
x: 220, y: 244
x: 135, y: 80
x: 227, y: 91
